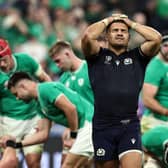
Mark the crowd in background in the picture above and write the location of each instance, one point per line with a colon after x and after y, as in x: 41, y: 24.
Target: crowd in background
x: 32, y: 26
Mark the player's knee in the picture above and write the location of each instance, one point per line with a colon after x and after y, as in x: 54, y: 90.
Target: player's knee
x: 33, y: 163
x: 33, y: 160
x: 68, y: 164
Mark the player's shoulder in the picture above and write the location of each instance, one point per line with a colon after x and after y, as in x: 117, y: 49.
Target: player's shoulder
x: 21, y: 55
x: 156, y: 61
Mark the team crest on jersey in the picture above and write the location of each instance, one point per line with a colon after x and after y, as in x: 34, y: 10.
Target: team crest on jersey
x: 128, y: 61
x: 100, y: 152
x: 80, y: 81
x: 108, y: 59
x: 67, y: 84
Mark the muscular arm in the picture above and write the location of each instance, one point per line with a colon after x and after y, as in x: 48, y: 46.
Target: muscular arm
x: 69, y: 110
x: 9, y: 156
x: 43, y: 129
x: 90, y: 44
x: 152, y: 37
x: 148, y: 94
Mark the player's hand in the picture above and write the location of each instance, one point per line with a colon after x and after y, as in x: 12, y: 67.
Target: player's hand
x: 66, y: 134
x: 124, y: 18
x: 5, y: 138
x: 165, y: 112
x: 68, y: 143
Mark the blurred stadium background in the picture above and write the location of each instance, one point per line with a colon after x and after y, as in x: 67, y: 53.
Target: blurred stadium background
x: 32, y: 26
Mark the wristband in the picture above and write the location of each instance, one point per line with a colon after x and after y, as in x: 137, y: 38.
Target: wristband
x: 73, y: 134
x: 10, y: 143
x: 133, y: 25
x: 13, y: 144
x: 19, y: 145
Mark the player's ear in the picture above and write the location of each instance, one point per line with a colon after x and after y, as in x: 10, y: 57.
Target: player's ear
x: 129, y: 36
x: 22, y: 85
x: 67, y: 54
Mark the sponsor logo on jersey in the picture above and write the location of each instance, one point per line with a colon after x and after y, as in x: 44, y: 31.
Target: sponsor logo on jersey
x: 67, y: 84
x: 117, y: 62
x: 108, y: 59
x: 128, y: 61
x: 100, y: 152
x: 133, y: 140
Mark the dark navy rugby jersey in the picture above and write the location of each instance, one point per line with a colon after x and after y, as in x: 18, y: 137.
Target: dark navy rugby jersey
x: 116, y: 82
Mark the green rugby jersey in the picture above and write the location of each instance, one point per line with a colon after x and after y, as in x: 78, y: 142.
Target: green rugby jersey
x: 157, y: 74
x: 3, y: 82
x: 49, y: 92
x: 10, y: 106
x: 79, y: 82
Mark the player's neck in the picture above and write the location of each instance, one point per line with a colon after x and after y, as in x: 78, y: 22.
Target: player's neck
x: 34, y: 89
x: 117, y: 50
x: 76, y: 64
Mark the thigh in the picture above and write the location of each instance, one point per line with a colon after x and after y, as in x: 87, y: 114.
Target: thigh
x: 105, y: 144
x: 33, y: 153
x: 107, y: 164
x: 74, y: 161
x: 19, y: 128
x: 131, y: 160
x: 130, y: 139
x: 154, y: 139
x: 83, y: 144
x: 30, y: 129
x: 149, y: 122
x: 33, y: 160
x: 130, y: 152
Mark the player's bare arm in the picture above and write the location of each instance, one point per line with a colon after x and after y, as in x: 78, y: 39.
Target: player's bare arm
x: 149, y: 93
x: 70, y: 111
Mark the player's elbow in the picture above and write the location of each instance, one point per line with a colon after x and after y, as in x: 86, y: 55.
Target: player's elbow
x: 158, y: 39
x: 86, y: 37
x: 73, y: 109
x: 146, y: 101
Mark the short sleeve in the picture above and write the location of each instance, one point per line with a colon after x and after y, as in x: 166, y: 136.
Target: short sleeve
x: 153, y: 73
x: 50, y: 93
x: 29, y: 63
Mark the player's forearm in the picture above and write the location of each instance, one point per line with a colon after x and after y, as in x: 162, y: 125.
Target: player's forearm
x: 96, y: 29
x: 155, y: 106
x: 147, y: 32
x: 43, y: 77
x: 36, y: 138
x: 73, y: 120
